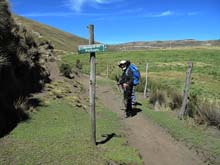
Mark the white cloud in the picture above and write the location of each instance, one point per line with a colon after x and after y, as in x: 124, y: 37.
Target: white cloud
x: 164, y: 14
x: 77, y: 5
x: 172, y: 13
x: 101, y: 1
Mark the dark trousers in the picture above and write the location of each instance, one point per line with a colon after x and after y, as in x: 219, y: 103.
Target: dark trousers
x: 128, y: 99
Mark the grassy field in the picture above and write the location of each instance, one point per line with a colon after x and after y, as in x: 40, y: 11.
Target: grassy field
x: 165, y: 66
x: 59, y: 133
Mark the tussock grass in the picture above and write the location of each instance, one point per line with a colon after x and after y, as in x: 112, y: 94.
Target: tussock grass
x: 208, y: 111
x: 212, y: 113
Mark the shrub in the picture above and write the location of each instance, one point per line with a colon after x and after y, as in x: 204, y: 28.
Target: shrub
x: 66, y: 70
x: 210, y: 112
x: 78, y: 64
x: 176, y: 100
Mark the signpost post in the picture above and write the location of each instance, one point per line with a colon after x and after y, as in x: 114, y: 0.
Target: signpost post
x: 92, y: 48
x: 92, y: 84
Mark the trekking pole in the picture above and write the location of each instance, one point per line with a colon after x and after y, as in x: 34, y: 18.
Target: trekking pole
x: 121, y: 92
x: 118, y: 87
x: 122, y: 104
x: 117, y: 84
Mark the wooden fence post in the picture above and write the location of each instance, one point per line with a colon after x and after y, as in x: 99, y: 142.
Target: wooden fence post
x: 92, y: 84
x: 186, y: 90
x: 145, y: 87
x: 107, y: 70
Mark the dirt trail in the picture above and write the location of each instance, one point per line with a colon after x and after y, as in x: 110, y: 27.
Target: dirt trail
x: 156, y: 146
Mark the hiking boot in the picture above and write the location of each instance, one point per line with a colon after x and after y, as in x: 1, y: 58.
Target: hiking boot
x: 122, y: 108
x: 128, y: 114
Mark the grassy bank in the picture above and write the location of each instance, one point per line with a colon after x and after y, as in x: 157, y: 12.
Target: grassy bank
x: 59, y: 133
x: 205, y: 140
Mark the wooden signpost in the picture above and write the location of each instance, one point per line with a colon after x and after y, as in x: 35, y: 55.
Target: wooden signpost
x: 92, y: 48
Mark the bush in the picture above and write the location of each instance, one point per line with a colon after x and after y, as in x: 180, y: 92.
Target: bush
x: 78, y: 64
x: 176, y: 100
x: 66, y: 70
x: 210, y: 112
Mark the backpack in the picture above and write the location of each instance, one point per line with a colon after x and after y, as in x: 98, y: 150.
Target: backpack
x: 136, y: 74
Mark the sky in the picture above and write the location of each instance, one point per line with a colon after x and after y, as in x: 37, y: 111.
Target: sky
x: 122, y: 21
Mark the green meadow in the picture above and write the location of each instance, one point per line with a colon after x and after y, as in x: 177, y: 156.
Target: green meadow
x: 59, y: 133
x: 166, y: 67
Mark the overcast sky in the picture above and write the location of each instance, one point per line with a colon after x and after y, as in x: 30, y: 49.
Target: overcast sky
x: 120, y: 21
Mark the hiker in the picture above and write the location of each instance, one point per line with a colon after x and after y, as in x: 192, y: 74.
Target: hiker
x: 127, y: 85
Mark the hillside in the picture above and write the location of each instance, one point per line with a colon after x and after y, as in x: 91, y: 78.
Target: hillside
x: 144, y: 45
x: 61, y: 40
x: 69, y: 42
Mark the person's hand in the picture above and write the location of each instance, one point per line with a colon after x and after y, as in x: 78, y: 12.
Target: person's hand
x: 125, y: 85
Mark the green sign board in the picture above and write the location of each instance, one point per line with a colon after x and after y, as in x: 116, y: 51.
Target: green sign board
x: 91, y: 48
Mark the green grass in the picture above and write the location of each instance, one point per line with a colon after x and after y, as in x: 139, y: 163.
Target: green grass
x: 59, y: 133
x: 165, y: 66
x: 116, y: 149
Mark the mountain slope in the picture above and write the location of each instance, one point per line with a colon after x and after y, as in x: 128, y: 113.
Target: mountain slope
x: 69, y: 42
x: 61, y: 40
x: 144, y: 45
